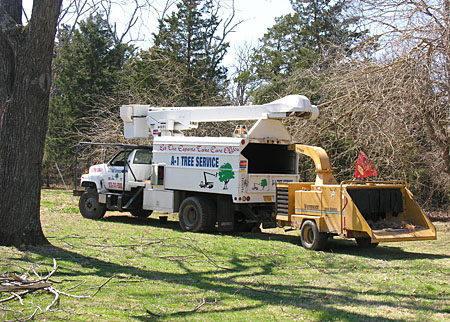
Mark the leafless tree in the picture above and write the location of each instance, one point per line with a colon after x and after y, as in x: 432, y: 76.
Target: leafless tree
x: 393, y: 107
x: 133, y: 14
x: 243, y: 82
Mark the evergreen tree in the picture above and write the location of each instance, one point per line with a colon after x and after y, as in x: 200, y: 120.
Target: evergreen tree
x: 189, y: 38
x: 87, y: 67
x: 312, y: 36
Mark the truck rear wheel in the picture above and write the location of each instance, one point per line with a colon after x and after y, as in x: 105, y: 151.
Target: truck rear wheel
x: 365, y: 242
x: 197, y: 214
x: 311, y: 237
x: 89, y: 206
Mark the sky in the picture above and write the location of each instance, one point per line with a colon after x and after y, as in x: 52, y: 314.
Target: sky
x: 256, y: 17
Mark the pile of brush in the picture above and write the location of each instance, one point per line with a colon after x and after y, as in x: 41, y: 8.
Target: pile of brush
x: 389, y: 225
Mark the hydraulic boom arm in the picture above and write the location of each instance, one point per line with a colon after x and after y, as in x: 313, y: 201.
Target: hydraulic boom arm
x: 139, y: 119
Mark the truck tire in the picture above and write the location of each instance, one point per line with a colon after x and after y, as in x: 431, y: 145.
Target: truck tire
x: 197, y: 214
x: 365, y: 242
x: 89, y: 206
x: 141, y: 213
x: 311, y: 237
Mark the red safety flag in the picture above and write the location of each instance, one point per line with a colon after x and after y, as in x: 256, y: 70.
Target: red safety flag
x: 364, y: 168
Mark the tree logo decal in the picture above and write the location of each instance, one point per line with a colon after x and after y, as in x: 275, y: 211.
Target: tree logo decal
x: 226, y: 174
x: 263, y: 183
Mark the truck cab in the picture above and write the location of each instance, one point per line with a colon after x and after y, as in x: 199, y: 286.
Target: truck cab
x: 135, y: 164
x: 116, y: 184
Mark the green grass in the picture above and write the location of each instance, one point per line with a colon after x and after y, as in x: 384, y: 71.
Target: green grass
x: 246, y: 277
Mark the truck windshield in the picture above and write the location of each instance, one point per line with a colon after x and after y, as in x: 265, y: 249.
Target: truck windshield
x: 143, y: 157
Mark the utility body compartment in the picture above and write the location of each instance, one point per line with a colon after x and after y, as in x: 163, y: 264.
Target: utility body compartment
x: 247, y: 170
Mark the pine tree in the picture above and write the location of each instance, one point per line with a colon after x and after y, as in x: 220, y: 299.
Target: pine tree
x: 314, y: 35
x: 88, y: 65
x: 189, y: 38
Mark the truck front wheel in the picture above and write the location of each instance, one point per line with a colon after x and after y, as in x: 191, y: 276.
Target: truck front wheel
x: 311, y: 237
x: 89, y: 206
x: 197, y: 214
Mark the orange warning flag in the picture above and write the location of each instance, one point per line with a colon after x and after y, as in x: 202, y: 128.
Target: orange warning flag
x: 364, y: 168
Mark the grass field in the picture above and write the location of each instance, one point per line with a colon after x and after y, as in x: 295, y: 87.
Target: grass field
x: 247, y: 277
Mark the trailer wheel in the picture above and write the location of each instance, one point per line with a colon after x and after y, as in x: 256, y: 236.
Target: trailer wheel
x: 197, y: 214
x: 141, y: 213
x: 365, y: 242
x: 89, y: 206
x: 311, y: 237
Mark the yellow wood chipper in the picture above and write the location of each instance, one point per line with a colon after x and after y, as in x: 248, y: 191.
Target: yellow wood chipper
x: 369, y: 211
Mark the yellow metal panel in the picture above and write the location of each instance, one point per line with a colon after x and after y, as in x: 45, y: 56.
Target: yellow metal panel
x: 331, y: 208
x: 412, y: 214
x: 293, y: 187
x: 308, y: 202
x: 403, y: 235
x: 297, y: 221
x: 324, y: 172
x: 309, y: 205
x: 354, y: 220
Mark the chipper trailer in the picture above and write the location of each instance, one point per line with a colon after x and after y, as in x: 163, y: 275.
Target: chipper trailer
x: 241, y: 182
x: 370, y: 212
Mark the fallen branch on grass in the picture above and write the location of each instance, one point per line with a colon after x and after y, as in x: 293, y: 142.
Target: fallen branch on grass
x: 209, y: 259
x: 203, y: 302
x: 125, y: 245
x: 265, y: 290
x: 12, y: 282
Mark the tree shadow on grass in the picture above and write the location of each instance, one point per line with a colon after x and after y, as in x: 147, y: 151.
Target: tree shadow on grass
x: 384, y: 252
x: 327, y: 301
x: 186, y: 315
x: 153, y: 222
x: 338, y: 246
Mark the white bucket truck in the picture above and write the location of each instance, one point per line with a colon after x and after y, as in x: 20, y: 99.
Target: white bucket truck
x: 228, y: 181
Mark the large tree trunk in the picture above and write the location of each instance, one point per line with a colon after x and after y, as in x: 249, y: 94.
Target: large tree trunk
x: 25, y: 69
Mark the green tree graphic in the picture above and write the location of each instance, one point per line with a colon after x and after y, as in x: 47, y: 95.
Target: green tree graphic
x: 264, y: 183
x: 226, y: 174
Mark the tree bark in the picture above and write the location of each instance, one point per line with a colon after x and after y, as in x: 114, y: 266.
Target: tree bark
x: 25, y: 68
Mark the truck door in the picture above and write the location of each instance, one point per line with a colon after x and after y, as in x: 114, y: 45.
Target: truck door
x: 141, y: 165
x: 113, y: 179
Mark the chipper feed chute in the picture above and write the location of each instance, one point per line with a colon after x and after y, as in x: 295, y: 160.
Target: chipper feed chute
x: 385, y: 212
